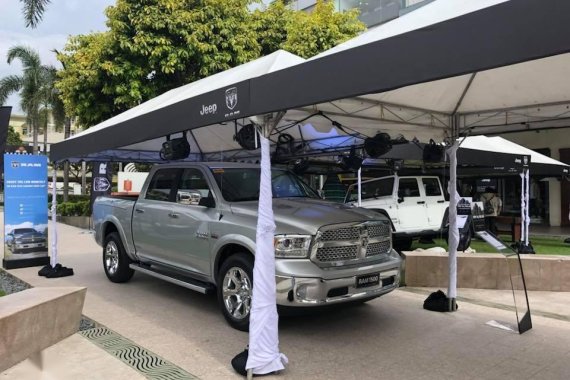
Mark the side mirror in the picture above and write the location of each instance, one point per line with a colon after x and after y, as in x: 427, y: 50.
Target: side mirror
x: 207, y: 202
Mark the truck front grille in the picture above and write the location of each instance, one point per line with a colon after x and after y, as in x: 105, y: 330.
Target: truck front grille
x: 328, y: 254
x: 379, y: 248
x: 348, y: 243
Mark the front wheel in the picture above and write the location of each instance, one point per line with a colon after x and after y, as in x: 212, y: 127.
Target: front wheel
x: 115, y: 259
x: 235, y: 284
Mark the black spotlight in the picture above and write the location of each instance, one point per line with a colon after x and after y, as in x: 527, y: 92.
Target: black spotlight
x: 352, y: 161
x: 378, y: 145
x: 433, y: 152
x: 301, y: 165
x: 246, y: 138
x: 175, y: 149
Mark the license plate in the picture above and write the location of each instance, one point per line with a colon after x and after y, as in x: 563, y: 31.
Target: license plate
x: 367, y: 280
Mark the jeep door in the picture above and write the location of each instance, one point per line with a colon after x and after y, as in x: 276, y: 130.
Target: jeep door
x: 435, y: 201
x: 151, y: 222
x: 412, y: 215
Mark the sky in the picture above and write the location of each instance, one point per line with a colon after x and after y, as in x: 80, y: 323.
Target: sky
x: 61, y: 19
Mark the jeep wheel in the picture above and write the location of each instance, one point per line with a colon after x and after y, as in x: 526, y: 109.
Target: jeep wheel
x: 115, y: 259
x: 235, y: 285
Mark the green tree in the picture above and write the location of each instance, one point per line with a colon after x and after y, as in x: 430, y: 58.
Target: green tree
x: 309, y: 34
x: 51, y: 104
x: 13, y: 137
x: 33, y: 11
x: 29, y: 84
x: 153, y: 46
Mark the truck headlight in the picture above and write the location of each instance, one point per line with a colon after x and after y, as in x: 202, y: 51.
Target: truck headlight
x: 292, y: 246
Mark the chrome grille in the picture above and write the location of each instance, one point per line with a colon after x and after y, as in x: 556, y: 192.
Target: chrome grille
x: 346, y: 233
x: 377, y: 230
x: 347, y: 243
x: 328, y: 254
x: 378, y: 248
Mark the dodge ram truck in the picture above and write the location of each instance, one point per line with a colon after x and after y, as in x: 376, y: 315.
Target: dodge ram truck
x: 194, y: 224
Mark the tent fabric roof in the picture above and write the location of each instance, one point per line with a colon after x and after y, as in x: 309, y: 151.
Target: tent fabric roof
x: 430, y: 14
x: 408, y: 76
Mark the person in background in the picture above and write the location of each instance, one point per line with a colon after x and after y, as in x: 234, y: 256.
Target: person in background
x: 492, y: 206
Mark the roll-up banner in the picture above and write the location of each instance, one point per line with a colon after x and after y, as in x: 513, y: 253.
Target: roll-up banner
x: 25, y: 211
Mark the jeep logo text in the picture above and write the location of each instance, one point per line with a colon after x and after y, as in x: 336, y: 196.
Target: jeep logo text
x: 209, y: 110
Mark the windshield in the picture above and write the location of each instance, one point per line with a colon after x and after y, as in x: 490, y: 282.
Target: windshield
x: 23, y: 230
x: 373, y: 189
x: 242, y: 184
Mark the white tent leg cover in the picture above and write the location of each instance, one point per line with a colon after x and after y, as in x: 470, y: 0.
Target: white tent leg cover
x: 264, y: 356
x: 53, y: 229
x: 453, y: 230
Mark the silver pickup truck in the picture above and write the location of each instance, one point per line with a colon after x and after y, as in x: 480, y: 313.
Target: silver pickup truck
x: 194, y: 224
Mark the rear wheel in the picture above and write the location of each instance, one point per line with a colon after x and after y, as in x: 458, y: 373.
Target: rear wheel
x: 235, y: 285
x: 115, y: 259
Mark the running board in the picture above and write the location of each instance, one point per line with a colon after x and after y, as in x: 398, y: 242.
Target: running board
x: 198, y: 286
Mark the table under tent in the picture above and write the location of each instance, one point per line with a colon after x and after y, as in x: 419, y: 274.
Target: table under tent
x: 435, y: 73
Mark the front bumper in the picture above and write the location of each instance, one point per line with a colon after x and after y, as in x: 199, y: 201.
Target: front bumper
x: 316, y: 291
x: 29, y: 247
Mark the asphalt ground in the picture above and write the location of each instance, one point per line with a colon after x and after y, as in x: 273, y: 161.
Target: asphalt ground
x: 389, y: 337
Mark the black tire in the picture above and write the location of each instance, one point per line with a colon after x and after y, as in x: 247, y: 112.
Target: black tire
x: 115, y: 259
x: 241, y: 264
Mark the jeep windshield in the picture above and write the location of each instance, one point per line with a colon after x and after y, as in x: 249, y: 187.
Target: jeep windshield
x: 242, y: 184
x: 19, y: 231
x: 371, y: 189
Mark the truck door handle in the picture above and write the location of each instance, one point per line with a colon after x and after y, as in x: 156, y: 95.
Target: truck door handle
x: 440, y: 201
x: 139, y: 210
x: 421, y: 202
x: 173, y: 215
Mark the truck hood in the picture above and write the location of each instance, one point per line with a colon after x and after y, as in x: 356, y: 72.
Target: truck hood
x: 307, y: 215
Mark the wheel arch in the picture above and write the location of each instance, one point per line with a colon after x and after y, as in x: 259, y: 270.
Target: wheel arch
x: 225, y: 252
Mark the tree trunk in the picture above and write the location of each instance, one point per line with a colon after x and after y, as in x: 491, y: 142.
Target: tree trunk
x: 45, y: 135
x: 35, y: 135
x: 66, y: 133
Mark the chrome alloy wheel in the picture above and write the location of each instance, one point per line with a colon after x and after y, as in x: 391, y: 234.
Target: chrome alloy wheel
x: 236, y: 290
x: 111, y: 257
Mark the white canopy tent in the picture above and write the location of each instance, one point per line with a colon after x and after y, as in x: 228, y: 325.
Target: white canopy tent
x: 452, y: 66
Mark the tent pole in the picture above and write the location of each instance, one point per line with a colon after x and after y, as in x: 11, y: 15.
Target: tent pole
x: 453, y: 229
x: 360, y: 187
x: 263, y: 355
x: 527, y: 201
x: 53, y: 232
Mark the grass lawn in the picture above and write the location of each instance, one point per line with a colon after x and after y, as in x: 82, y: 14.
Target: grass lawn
x: 542, y: 245
x: 2, y: 293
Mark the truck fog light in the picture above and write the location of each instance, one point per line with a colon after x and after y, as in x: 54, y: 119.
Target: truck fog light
x: 301, y: 292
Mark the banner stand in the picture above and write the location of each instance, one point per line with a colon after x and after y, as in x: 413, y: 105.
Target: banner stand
x: 25, y: 211
x: 24, y: 263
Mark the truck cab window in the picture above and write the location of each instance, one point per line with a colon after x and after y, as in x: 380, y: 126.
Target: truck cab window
x: 161, y: 185
x: 193, y: 188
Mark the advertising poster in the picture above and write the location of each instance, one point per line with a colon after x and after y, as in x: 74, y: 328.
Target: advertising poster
x: 25, y: 211
x: 102, y: 180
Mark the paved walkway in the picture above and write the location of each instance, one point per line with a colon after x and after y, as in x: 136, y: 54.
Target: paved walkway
x: 391, y: 337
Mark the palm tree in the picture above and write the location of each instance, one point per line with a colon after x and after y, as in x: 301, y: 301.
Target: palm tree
x: 51, y: 102
x: 29, y: 84
x: 33, y: 11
